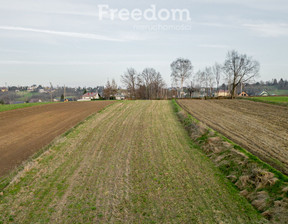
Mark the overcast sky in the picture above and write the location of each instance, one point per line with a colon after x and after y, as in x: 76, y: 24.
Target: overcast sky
x: 66, y: 42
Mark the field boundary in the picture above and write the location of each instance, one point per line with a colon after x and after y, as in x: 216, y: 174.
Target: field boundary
x: 262, y: 185
x: 6, y: 179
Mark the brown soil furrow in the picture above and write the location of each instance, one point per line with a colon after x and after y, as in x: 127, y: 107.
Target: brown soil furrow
x: 260, y: 128
x: 24, y: 131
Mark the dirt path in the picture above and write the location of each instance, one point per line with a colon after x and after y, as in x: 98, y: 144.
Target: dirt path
x: 131, y: 163
x: 24, y: 131
x: 258, y: 127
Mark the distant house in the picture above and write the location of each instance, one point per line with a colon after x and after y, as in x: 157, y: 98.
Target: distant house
x: 119, y: 97
x: 203, y: 92
x: 69, y: 100
x: 222, y: 92
x: 182, y: 94
x: 32, y: 88
x: 4, y: 89
x: 243, y: 94
x: 35, y: 101
x: 264, y: 93
x: 90, y: 96
x: 196, y: 94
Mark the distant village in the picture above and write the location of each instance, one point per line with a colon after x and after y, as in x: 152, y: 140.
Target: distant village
x: 38, y: 93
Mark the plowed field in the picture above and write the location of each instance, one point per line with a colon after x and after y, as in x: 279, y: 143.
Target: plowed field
x: 258, y: 127
x: 24, y: 131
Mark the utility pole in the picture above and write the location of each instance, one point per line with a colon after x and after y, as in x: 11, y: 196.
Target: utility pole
x: 51, y: 92
x: 64, y: 93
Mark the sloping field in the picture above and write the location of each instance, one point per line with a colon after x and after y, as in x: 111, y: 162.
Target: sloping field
x: 258, y: 127
x: 25, y: 131
x: 132, y: 163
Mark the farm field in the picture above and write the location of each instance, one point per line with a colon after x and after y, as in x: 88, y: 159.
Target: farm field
x: 131, y: 163
x: 258, y: 127
x: 24, y: 131
x: 271, y: 99
x: 7, y: 107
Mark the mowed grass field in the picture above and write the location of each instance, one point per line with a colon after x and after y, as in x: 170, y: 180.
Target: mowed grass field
x: 131, y: 163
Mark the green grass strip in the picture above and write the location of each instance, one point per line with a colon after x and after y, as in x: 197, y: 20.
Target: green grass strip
x: 280, y: 101
x: 7, y: 107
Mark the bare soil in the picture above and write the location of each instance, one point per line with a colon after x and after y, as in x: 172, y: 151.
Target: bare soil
x: 24, y: 131
x: 258, y: 127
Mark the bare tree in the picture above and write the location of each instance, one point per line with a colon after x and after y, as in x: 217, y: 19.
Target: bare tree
x: 240, y: 69
x: 181, y: 70
x: 152, y: 82
x: 129, y: 79
x: 201, y: 79
x: 158, y: 84
x: 147, y: 76
x: 206, y: 79
x: 210, y: 79
x: 107, y: 90
x: 114, y: 88
x: 190, y: 88
x: 217, y: 70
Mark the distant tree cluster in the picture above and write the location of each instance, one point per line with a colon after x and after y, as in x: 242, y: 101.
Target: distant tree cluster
x: 281, y: 84
x: 148, y: 84
x: 236, y: 70
x: 181, y: 71
x: 110, y: 90
x: 239, y: 68
x: 237, y: 73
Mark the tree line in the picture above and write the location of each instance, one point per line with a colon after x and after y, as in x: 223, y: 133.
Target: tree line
x: 236, y: 70
x: 149, y: 84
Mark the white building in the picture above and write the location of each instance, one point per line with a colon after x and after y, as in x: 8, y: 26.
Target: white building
x: 90, y: 96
